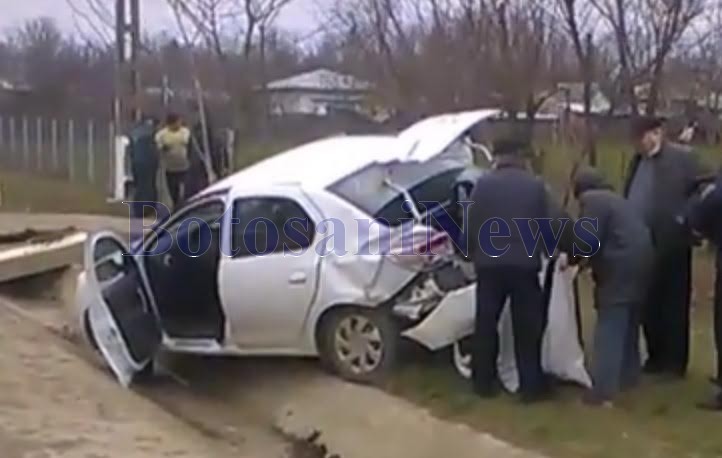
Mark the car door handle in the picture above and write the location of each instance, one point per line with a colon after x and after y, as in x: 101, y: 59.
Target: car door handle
x: 297, y: 278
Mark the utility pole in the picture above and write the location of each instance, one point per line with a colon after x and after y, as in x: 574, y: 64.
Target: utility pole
x: 134, y: 29
x: 127, y: 76
x: 118, y: 105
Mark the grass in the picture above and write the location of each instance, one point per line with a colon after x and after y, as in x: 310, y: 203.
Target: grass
x: 656, y: 420
x: 23, y: 193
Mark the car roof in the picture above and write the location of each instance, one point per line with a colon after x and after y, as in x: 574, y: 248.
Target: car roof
x: 316, y: 164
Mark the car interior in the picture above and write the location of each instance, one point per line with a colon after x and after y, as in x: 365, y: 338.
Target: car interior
x: 184, y: 280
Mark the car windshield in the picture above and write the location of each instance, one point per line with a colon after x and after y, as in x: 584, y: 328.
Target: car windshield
x: 430, y: 181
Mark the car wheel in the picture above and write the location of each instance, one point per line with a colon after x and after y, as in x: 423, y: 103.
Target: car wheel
x: 359, y: 345
x: 462, y: 357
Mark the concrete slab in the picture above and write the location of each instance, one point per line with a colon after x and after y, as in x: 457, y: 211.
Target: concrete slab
x: 45, y: 242
x: 23, y: 260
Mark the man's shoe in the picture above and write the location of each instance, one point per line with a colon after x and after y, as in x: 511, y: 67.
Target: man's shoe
x: 592, y: 399
x: 653, y: 368
x: 536, y: 396
x: 486, y: 392
x: 713, y: 404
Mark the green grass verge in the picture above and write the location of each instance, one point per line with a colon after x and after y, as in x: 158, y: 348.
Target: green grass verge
x: 23, y: 193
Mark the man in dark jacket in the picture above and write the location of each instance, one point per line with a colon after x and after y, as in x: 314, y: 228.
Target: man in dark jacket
x: 705, y: 218
x: 621, y: 270
x: 662, y: 177
x: 144, y: 160
x: 508, y: 192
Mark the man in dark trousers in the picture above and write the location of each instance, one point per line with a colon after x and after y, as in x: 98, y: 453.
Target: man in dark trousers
x: 621, y: 270
x: 507, y: 192
x: 144, y: 161
x: 705, y: 218
x: 662, y: 177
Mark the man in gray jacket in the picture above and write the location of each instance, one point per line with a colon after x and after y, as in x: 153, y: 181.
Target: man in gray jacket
x: 621, y: 270
x: 662, y: 177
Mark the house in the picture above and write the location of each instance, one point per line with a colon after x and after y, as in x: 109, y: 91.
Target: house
x: 570, y: 96
x: 13, y: 95
x: 319, y: 93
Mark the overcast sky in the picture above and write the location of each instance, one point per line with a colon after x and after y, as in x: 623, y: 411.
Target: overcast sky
x: 300, y: 16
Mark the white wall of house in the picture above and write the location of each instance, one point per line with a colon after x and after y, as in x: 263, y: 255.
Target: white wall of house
x: 313, y: 103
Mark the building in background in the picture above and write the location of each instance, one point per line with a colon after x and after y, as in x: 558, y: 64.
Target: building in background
x: 319, y: 92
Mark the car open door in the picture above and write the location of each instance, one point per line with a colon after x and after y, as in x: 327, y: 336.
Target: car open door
x: 122, y: 320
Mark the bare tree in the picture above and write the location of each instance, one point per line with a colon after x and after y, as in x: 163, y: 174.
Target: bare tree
x: 646, y: 32
x: 579, y: 20
x: 93, y: 20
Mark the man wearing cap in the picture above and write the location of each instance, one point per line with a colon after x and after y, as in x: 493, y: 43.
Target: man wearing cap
x: 505, y: 269
x: 620, y: 270
x: 662, y: 177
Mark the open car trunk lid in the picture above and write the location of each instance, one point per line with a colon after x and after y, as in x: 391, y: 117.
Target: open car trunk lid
x: 432, y: 137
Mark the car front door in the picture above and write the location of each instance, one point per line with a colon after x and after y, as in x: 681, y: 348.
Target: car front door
x: 120, y: 312
x: 269, y: 269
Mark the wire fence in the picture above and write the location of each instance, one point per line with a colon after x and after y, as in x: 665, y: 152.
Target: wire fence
x: 79, y: 151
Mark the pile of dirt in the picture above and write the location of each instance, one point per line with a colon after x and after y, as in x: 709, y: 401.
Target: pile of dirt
x: 33, y: 236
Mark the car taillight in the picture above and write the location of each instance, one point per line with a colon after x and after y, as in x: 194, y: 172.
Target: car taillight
x: 419, y: 249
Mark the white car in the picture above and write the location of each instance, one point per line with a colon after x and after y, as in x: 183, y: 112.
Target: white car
x: 346, y: 287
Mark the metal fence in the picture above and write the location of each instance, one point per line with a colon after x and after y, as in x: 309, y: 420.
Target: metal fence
x: 79, y: 151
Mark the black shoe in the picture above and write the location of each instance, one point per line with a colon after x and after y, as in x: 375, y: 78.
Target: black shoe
x: 653, y: 368
x: 486, y: 391
x: 711, y: 405
x: 535, y: 397
x: 592, y: 399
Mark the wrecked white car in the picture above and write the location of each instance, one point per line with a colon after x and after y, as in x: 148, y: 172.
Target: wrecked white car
x: 343, y: 285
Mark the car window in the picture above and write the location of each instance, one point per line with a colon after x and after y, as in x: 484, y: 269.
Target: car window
x: 266, y: 225
x: 210, y: 212
x: 436, y: 189
x: 430, y: 181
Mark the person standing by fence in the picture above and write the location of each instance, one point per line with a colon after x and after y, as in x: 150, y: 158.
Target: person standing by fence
x: 173, y: 142
x: 201, y: 132
x: 144, y: 159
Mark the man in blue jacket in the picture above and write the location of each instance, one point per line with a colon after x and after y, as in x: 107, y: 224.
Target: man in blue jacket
x: 508, y: 192
x: 144, y: 161
x: 705, y: 218
x: 621, y: 270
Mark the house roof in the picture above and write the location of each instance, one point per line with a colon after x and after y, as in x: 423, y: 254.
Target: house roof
x: 321, y: 79
x: 7, y: 85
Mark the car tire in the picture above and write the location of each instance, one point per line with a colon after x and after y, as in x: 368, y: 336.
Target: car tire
x: 359, y: 345
x: 461, y: 355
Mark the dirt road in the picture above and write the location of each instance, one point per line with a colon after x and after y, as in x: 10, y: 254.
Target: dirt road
x: 52, y: 399
x: 53, y: 404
